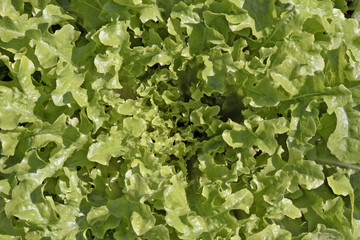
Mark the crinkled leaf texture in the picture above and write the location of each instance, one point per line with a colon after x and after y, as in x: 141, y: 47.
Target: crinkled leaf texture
x: 197, y: 119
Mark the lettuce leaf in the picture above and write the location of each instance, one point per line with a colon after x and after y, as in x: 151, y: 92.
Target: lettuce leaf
x: 197, y: 119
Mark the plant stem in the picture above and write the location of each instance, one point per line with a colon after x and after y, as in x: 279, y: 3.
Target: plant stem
x: 337, y: 163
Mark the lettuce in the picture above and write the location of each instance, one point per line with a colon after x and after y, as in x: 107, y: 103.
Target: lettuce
x: 197, y: 119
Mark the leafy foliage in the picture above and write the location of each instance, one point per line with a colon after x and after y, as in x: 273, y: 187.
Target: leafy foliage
x: 196, y: 119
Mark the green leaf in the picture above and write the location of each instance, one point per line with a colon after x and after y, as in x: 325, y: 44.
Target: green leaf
x: 134, y: 126
x: 262, y: 95
x: 340, y: 185
x: 113, y: 35
x: 14, y: 108
x: 96, y: 113
x: 242, y: 199
x: 284, y: 207
x: 8, y: 10
x: 139, y: 215
x: 264, y: 16
x: 342, y: 142
x: 88, y: 12
x: 329, y: 213
x: 322, y: 232
x: 337, y: 68
x: 157, y: 120
x: 12, y: 29
x: 202, y: 38
x: 50, y: 48
x: 159, y: 232
x: 107, y: 147
x: 9, y: 141
x: 28, y: 204
x: 68, y: 87
x: 128, y: 107
x: 271, y: 232
x: 308, y: 173
x: 241, y: 137
x: 101, y: 220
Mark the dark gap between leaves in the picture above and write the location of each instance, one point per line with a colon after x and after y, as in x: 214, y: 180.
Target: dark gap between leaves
x: 54, y: 28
